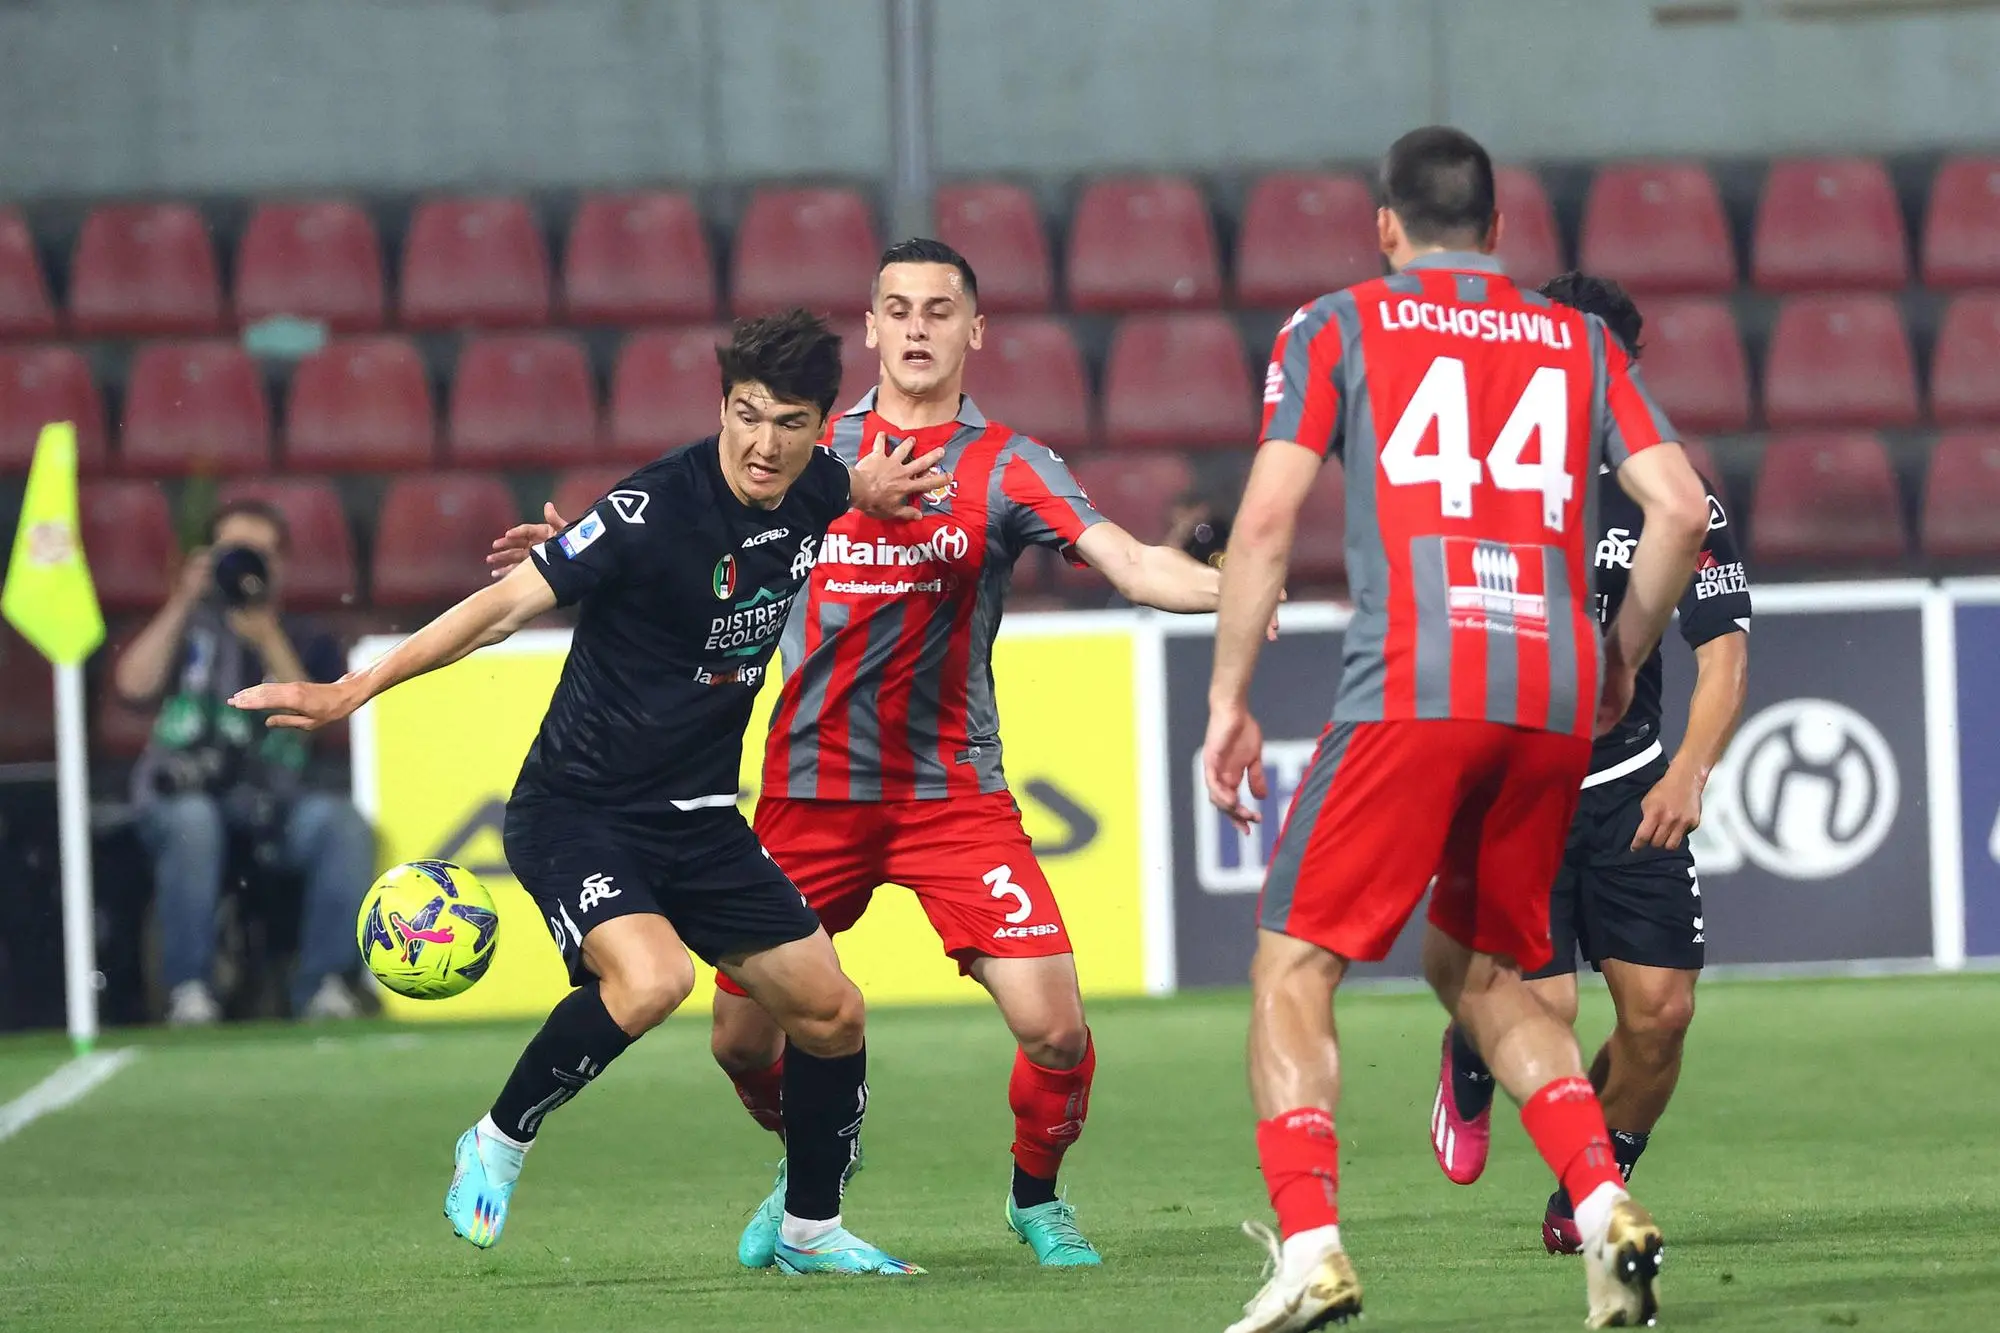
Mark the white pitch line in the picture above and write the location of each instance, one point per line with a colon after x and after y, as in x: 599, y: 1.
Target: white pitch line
x: 67, y: 1086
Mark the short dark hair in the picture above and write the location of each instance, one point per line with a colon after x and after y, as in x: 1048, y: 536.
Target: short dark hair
x: 1603, y: 298
x: 249, y: 507
x: 794, y: 355
x: 1439, y: 181
x: 925, y: 250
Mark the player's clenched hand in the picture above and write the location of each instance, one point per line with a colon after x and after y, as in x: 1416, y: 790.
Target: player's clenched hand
x: 1670, y: 811
x: 300, y: 705
x: 883, y: 482
x: 511, y: 547
x: 1234, y: 749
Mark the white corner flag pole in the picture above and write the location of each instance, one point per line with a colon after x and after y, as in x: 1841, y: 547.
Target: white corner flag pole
x: 73, y: 815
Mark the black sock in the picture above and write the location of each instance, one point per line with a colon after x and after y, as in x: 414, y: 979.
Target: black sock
x: 572, y: 1048
x: 1560, y: 1205
x: 1030, y: 1191
x: 1471, y: 1080
x: 1626, y: 1147
x: 824, y: 1103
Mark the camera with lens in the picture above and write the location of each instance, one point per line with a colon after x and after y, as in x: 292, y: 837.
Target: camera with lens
x: 242, y: 576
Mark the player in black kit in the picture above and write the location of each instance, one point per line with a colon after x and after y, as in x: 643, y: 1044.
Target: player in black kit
x: 623, y: 823
x: 1627, y: 896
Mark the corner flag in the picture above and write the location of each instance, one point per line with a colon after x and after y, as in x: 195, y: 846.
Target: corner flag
x: 49, y: 596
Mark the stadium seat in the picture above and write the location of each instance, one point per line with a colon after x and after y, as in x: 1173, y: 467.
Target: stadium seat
x: 43, y: 384
x: 313, y: 259
x: 474, y: 261
x: 433, y: 535
x: 665, y: 391
x: 1304, y: 235
x: 581, y: 487
x: 1703, y: 460
x: 319, y: 568
x: 1137, y: 494
x: 1319, y: 549
x: 1965, y: 364
x: 1530, y: 244
x: 1694, y: 365
x: 25, y: 308
x: 361, y: 404
x: 1829, y: 224
x: 128, y: 538
x: 1658, y: 227
x: 1826, y: 499
x: 195, y: 407
x: 1143, y: 243
x: 144, y: 269
x: 1962, y: 228
x: 860, y: 367
x: 635, y: 258
x: 1961, y: 519
x: 812, y: 247
x: 1176, y: 382
x: 27, y: 703
x: 1029, y: 375
x: 522, y: 400
x: 998, y: 229
x: 1839, y: 361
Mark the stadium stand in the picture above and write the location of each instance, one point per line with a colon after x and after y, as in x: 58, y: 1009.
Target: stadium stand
x: 27, y: 714
x: 128, y: 537
x: 1304, y: 235
x: 314, y: 259
x: 433, y: 534
x: 144, y: 269
x: 1694, y: 363
x: 1030, y: 375
x: 579, y: 488
x: 1829, y: 224
x: 1178, y: 382
x: 1143, y: 243
x: 1137, y: 494
x: 26, y: 309
x: 1962, y: 226
x: 811, y: 247
x: 361, y: 404
x: 1961, y: 514
x: 1658, y: 228
x: 1530, y: 242
x: 664, y: 391
x: 195, y: 407
x: 474, y: 262
x: 1839, y: 361
x: 1829, y: 500
x: 997, y: 228
x: 319, y: 567
x: 522, y: 400
x: 43, y: 384
x: 638, y: 258
x: 1965, y: 363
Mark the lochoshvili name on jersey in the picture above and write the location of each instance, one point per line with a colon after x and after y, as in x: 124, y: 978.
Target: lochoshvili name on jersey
x: 1492, y: 326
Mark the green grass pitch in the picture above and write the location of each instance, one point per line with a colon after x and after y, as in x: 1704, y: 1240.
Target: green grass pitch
x: 1832, y: 1162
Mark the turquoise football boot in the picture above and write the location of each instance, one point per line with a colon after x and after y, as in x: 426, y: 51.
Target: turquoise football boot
x: 1050, y: 1230
x: 758, y: 1247
x: 484, y: 1180
x: 841, y: 1252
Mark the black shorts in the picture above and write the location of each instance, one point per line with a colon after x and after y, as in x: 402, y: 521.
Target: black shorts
x: 1612, y: 902
x: 704, y: 871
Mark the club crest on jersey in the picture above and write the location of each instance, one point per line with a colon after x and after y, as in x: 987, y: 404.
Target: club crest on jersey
x: 942, y: 494
x: 724, y: 581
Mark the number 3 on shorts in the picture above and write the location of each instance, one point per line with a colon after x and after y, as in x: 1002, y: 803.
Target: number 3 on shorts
x: 1001, y: 880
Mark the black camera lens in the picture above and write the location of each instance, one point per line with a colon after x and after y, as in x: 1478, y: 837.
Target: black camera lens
x: 242, y: 576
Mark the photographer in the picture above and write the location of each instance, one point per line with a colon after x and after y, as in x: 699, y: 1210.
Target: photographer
x: 212, y: 774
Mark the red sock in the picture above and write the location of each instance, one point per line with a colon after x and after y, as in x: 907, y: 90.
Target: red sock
x: 1566, y: 1121
x: 1300, y: 1155
x: 762, y: 1094
x: 1049, y: 1108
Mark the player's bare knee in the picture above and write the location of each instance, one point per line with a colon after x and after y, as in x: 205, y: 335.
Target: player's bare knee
x: 743, y: 1042
x: 1058, y: 1043
x: 1662, y: 1020
x: 641, y: 993
x: 830, y: 1025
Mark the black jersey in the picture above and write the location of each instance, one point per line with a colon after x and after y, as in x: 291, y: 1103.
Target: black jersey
x: 684, y: 591
x: 1716, y: 603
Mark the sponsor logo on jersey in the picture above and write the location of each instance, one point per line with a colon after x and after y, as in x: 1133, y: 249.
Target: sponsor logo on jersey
x: 767, y: 535
x: 752, y: 624
x: 948, y: 544
x: 631, y: 505
x: 724, y: 580
x: 1712, y: 578
x: 1810, y: 789
x: 1716, y: 518
x: 1274, y: 383
x: 1615, y: 551
x: 807, y: 557
x: 1483, y: 323
x: 750, y: 676
x: 596, y: 888
x: 1495, y: 599
x: 578, y: 538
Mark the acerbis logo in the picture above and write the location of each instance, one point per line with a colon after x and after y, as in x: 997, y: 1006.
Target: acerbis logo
x: 1814, y: 788
x: 767, y: 535
x: 1716, y: 518
x: 631, y: 505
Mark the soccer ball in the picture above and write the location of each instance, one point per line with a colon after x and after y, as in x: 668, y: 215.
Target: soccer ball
x: 427, y: 929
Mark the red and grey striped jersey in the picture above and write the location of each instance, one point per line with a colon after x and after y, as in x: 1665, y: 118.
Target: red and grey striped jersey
x: 888, y: 659
x: 1471, y: 417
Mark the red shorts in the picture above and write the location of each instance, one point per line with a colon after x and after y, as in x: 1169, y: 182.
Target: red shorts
x: 967, y: 859
x: 1385, y: 807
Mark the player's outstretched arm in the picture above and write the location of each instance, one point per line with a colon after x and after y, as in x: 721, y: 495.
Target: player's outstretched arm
x: 1156, y: 576
x: 488, y: 616
x: 882, y: 484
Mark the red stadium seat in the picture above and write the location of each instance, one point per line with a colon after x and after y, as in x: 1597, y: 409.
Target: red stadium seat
x: 25, y: 308
x: 474, y: 261
x: 1658, y: 227
x: 1827, y: 499
x: 1961, y: 517
x: 1530, y: 244
x: 361, y: 404
x: 128, y: 538
x: 634, y: 258
x: 1319, y: 549
x: 1839, y: 361
x: 1143, y: 243
x: 1829, y: 224
x: 27, y: 703
x: 581, y: 487
x: 1305, y: 235
x: 1176, y: 382
x: 1030, y: 376
x: 665, y: 391
x: 998, y: 229
x: 195, y: 407
x: 315, y: 259
x: 860, y: 365
x: 1703, y: 460
x: 1965, y: 365
x: 433, y: 535
x: 522, y: 400
x: 1137, y: 494
x: 1694, y: 364
x: 43, y: 384
x: 144, y: 269
x: 814, y: 248
x: 319, y: 568
x: 1962, y: 228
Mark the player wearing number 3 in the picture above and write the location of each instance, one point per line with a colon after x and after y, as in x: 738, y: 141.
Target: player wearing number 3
x: 1471, y: 418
